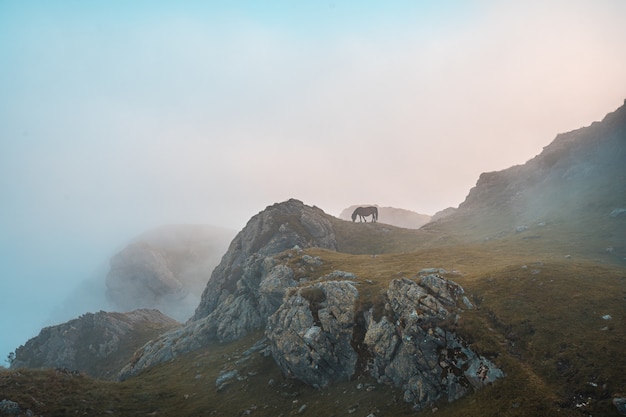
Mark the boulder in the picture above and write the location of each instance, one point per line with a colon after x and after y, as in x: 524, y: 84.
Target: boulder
x: 311, y: 333
x: 317, y: 338
x: 620, y: 404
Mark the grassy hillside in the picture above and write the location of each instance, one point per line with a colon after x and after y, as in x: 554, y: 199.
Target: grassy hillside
x: 541, y: 298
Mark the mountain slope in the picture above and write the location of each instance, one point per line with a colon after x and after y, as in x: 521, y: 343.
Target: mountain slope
x: 394, y: 216
x: 574, y: 192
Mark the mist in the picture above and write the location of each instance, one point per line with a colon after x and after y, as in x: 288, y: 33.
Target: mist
x: 119, y: 118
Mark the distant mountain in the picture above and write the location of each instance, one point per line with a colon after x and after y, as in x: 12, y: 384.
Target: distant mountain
x: 166, y: 268
x: 394, y: 216
x: 442, y: 213
x: 98, y: 344
x: 576, y: 184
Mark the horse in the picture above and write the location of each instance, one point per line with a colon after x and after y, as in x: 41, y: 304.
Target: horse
x: 363, y: 212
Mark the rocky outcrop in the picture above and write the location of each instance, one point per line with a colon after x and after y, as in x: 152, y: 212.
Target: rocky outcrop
x: 311, y: 333
x: 248, y: 284
x: 279, y: 227
x: 318, y: 337
x: 166, y: 268
x: 394, y: 216
x: 98, y: 344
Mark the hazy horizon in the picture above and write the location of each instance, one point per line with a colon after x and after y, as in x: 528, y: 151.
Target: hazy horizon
x: 120, y: 117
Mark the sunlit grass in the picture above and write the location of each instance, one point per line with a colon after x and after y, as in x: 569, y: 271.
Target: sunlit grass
x: 542, y: 298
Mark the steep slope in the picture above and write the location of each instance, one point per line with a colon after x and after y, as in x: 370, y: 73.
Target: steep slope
x: 247, y: 286
x: 98, y: 344
x: 574, y: 190
x: 394, y: 216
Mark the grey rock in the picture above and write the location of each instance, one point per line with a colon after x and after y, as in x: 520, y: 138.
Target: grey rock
x: 620, y: 404
x: 9, y: 408
x: 413, y: 302
x: 340, y: 275
x: 225, y: 377
x: 312, y: 260
x: 247, y: 286
x: 310, y: 334
x: 408, y: 348
x: 276, y: 229
x: 443, y: 289
x: 92, y: 343
x: 618, y: 212
x: 314, y: 338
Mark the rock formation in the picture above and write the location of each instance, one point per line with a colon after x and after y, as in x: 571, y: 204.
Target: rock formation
x: 311, y: 333
x: 98, y: 344
x: 316, y: 337
x: 317, y: 332
x: 247, y: 286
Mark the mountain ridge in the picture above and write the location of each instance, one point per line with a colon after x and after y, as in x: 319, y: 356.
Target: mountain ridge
x: 527, y: 244
x: 398, y: 217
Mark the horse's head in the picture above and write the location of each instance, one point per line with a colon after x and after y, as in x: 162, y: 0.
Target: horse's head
x: 354, y: 215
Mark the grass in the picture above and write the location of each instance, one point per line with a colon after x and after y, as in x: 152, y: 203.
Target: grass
x: 540, y: 294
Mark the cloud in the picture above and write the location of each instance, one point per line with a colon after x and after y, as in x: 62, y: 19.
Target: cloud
x: 119, y: 120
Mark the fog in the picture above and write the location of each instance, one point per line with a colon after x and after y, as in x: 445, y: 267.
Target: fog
x: 118, y: 117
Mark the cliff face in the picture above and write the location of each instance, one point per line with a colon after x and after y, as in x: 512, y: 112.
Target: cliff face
x: 98, y: 344
x: 576, y: 184
x: 248, y: 285
x: 582, y: 167
x: 279, y: 227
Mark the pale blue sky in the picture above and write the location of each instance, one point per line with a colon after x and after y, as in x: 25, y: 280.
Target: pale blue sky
x: 117, y: 117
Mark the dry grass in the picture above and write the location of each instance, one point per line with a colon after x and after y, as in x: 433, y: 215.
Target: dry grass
x: 539, y: 316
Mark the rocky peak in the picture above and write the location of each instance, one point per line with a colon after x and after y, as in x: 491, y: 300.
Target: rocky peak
x: 98, y: 344
x: 279, y: 227
x: 248, y: 285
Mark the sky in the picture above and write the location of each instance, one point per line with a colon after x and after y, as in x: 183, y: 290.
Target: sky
x: 117, y: 117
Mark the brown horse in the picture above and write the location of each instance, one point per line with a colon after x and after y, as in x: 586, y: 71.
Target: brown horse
x: 363, y: 212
